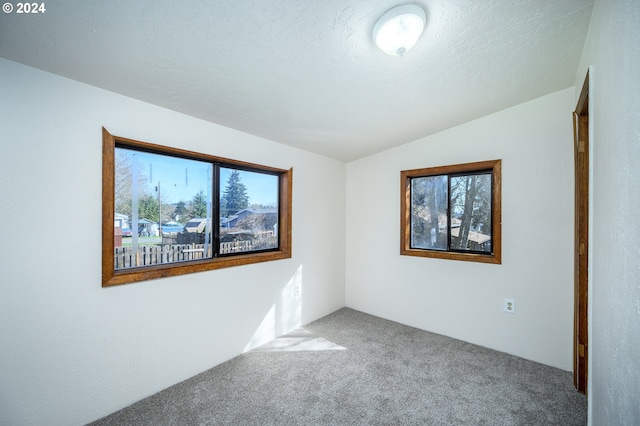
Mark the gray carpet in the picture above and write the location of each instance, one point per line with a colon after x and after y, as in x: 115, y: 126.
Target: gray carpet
x: 350, y: 368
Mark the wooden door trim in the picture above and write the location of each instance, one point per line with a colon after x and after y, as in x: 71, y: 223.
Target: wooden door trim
x: 581, y: 244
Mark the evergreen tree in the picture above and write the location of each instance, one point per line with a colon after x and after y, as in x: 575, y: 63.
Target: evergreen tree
x: 234, y: 197
x: 181, y: 212
x: 198, y: 206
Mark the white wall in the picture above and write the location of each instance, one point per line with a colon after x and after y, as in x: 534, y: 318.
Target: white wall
x: 464, y: 300
x: 612, y: 51
x: 71, y: 351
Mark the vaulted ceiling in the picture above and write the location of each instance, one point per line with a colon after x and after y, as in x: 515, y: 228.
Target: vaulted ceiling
x: 307, y: 73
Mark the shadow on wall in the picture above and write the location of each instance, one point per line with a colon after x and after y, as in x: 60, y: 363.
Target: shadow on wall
x: 285, y: 315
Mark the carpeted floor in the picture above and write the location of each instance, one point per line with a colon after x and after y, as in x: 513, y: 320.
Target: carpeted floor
x: 350, y: 368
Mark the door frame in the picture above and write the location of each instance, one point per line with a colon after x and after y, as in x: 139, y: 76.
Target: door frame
x: 581, y: 244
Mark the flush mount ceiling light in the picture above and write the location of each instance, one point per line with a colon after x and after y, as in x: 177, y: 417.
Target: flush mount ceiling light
x: 399, y: 28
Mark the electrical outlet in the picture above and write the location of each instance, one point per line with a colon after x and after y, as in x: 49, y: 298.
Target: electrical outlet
x: 297, y: 289
x: 510, y: 306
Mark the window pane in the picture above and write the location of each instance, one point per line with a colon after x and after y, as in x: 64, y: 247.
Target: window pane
x: 429, y: 212
x: 248, y: 211
x: 471, y: 212
x: 162, y: 209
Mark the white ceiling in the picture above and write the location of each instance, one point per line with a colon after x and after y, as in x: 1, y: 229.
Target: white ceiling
x: 306, y: 72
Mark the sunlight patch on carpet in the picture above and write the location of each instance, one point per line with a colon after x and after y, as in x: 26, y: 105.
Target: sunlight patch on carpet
x: 299, y: 341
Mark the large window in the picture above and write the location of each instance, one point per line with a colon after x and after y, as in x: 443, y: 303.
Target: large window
x: 168, y: 212
x: 452, y: 212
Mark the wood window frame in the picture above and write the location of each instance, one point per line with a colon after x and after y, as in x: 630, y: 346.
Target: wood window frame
x: 112, y: 276
x: 495, y: 166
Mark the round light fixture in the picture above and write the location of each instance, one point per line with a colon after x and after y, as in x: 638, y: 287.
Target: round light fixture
x: 399, y: 28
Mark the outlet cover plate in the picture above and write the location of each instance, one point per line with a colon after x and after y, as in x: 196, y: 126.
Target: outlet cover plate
x: 510, y: 306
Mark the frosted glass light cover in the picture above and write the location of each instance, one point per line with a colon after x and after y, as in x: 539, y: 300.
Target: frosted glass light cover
x: 398, y: 30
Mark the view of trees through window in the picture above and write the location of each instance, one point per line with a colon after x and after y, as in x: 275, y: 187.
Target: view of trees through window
x: 164, y: 209
x: 453, y: 212
x: 248, y: 210
x: 168, y: 211
x: 450, y: 212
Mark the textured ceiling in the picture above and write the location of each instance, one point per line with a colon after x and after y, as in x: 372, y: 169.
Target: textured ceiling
x: 306, y: 73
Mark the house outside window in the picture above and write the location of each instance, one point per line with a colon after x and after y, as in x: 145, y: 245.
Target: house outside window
x: 169, y: 211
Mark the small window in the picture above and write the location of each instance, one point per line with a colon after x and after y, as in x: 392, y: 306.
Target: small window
x: 169, y: 212
x: 452, y: 212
